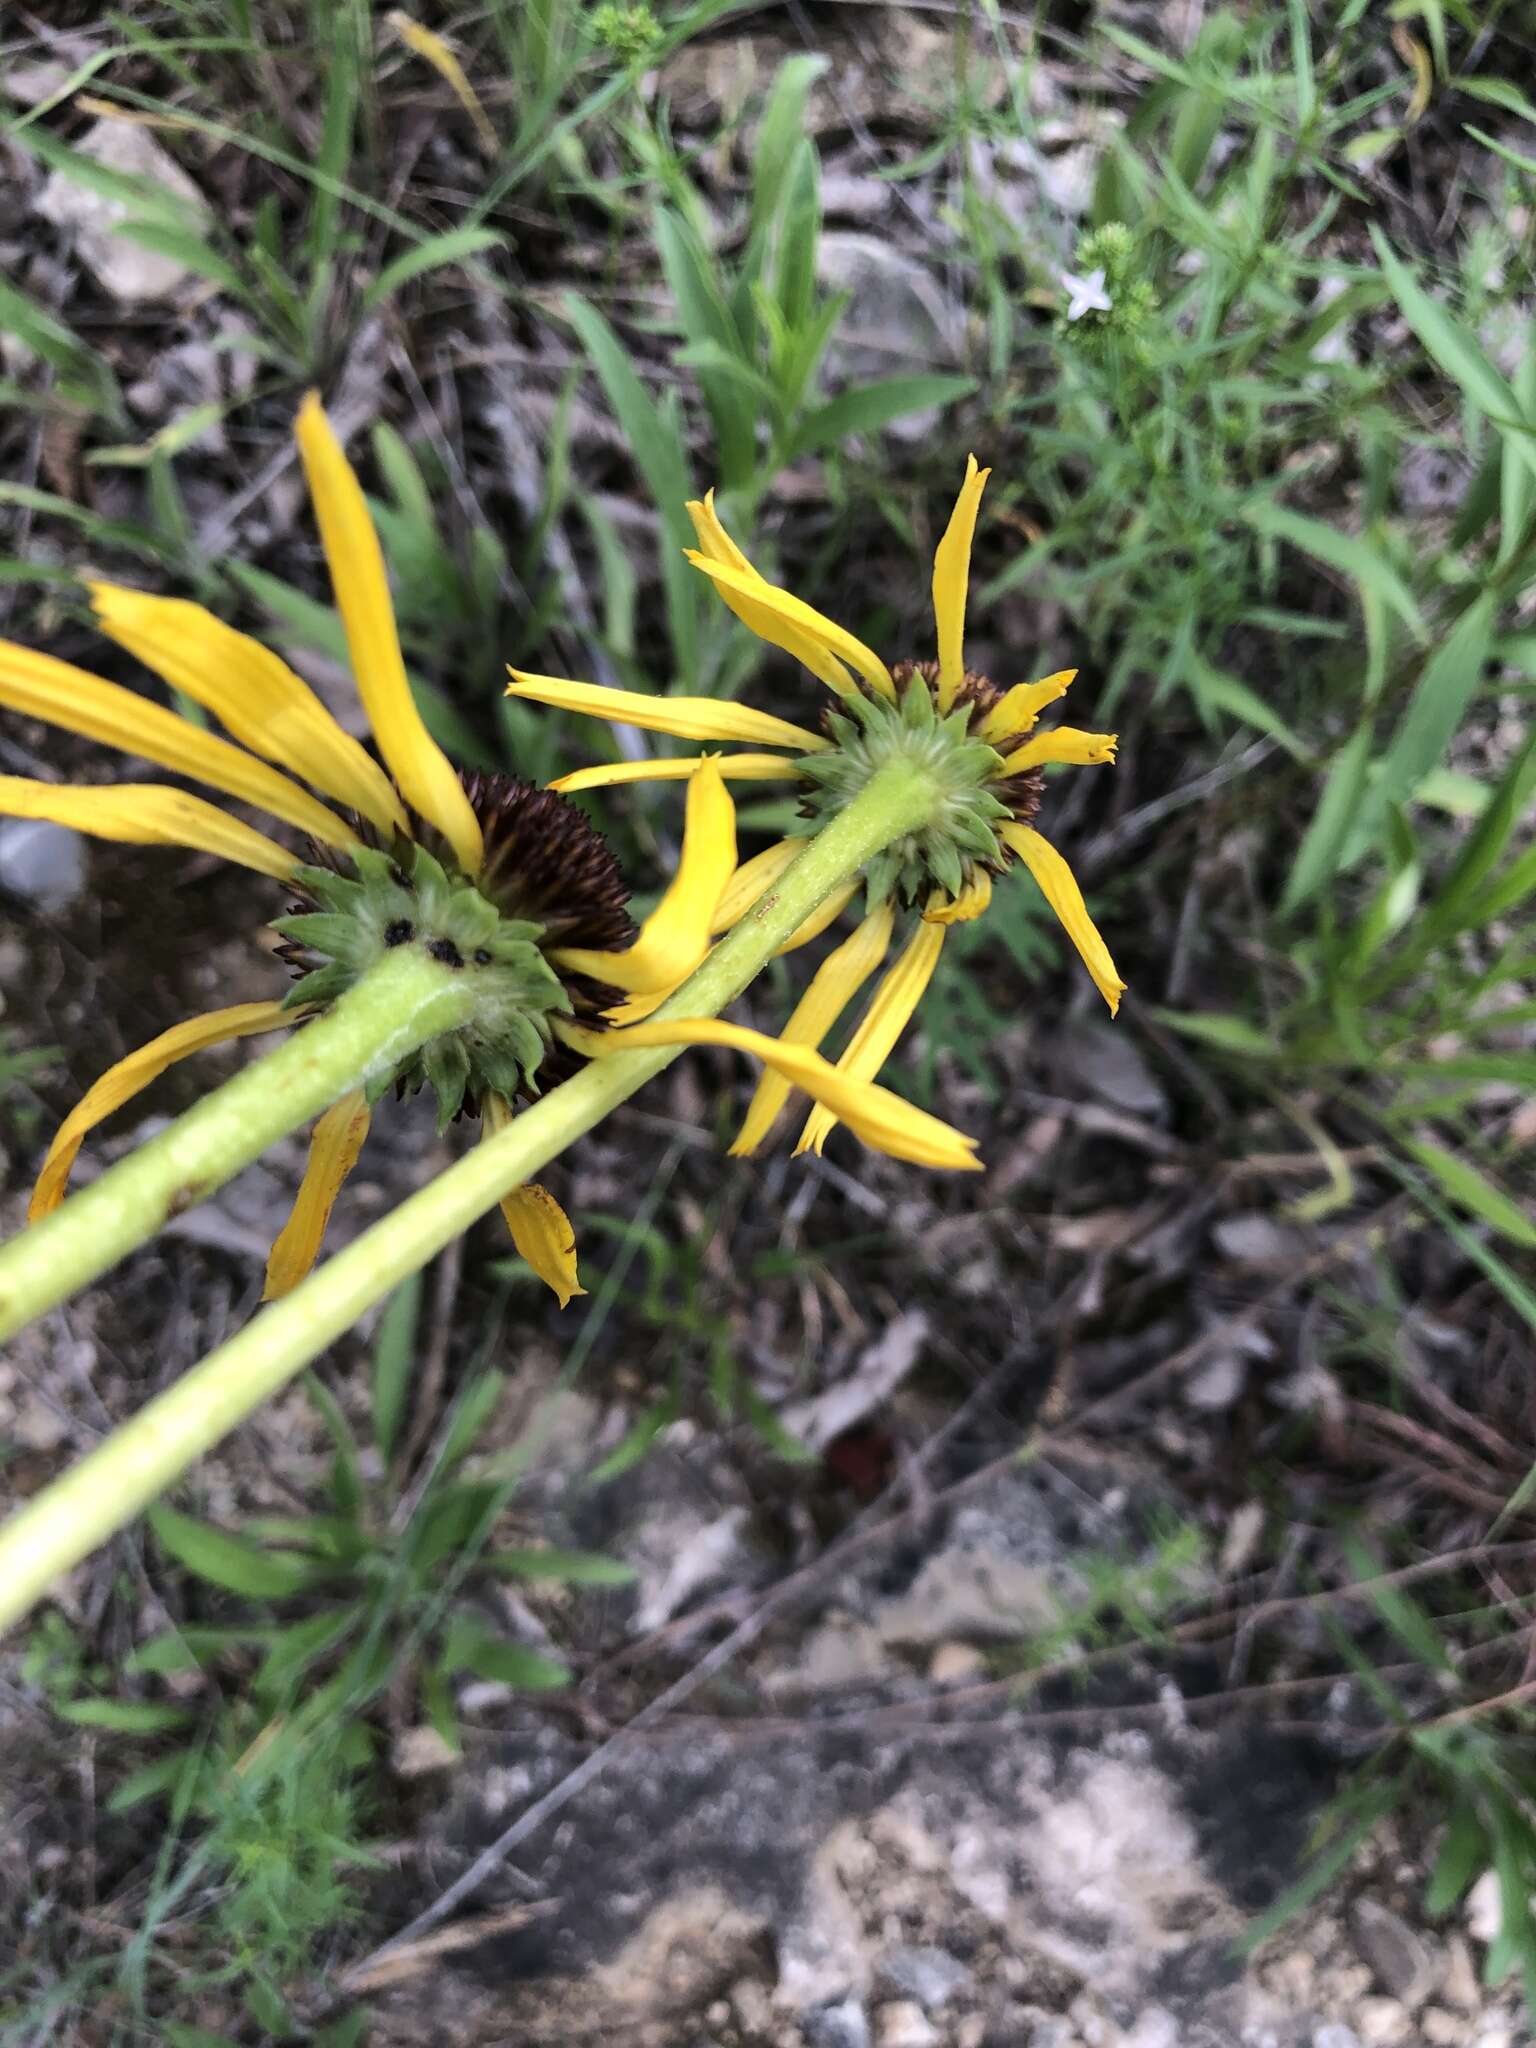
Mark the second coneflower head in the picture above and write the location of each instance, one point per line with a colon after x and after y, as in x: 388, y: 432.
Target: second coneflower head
x: 972, y: 741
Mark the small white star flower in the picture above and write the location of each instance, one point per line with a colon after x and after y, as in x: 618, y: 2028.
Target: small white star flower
x: 1085, y: 294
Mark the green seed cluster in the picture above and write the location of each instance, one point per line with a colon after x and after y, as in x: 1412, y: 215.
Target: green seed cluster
x: 870, y: 731
x: 413, y: 900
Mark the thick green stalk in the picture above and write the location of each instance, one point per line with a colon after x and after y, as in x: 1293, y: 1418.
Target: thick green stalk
x: 396, y: 1006
x: 139, y: 1461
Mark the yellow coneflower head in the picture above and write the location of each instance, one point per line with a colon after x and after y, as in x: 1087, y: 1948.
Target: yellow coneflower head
x: 972, y: 740
x: 506, y: 884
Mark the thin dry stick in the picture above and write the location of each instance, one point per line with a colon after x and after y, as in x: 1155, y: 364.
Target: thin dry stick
x: 859, y: 1539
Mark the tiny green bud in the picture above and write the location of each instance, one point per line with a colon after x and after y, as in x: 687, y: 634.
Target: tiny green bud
x: 627, y: 28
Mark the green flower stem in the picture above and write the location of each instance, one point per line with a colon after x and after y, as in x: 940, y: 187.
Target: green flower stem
x: 405, y: 999
x: 139, y: 1461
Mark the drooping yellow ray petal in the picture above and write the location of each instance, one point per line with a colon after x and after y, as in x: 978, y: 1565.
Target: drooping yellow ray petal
x: 825, y: 914
x: 422, y: 771
x: 1058, y: 885
x: 752, y: 881
x: 542, y: 1233
x: 833, y: 986
x: 889, y: 1012
x: 734, y: 767
x: 334, y: 1145
x: 970, y: 903
x: 427, y: 43
x: 1017, y: 709
x: 686, y: 718
x: 252, y: 691
x: 951, y: 579
x: 120, y: 1083
x: 40, y: 687
x: 146, y: 814
x: 675, y: 937
x: 1064, y: 743
x: 882, y: 1120
x: 541, y: 1230
x: 807, y: 649
x: 796, y: 612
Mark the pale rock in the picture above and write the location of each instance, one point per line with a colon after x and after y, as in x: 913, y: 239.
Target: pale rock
x: 930, y: 1975
x: 837, y: 2026
x: 40, y: 862
x: 1485, y: 1908
x: 1400, y: 1959
x: 1382, y: 2023
x: 1334, y: 2034
x: 1442, y: 2029
x: 904, y: 2025
x: 418, y: 1752
x: 1217, y: 1384
x: 125, y: 269
x: 957, y: 1664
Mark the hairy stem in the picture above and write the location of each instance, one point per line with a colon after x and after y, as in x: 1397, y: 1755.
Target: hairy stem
x: 139, y: 1461
x: 396, y: 1006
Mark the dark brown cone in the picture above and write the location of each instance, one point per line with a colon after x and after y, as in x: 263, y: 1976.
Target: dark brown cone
x: 545, y: 861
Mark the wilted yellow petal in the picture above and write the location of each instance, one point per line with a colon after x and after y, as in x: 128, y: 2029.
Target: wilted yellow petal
x: 541, y: 1230
x: 1064, y: 743
x: 951, y: 579
x: 970, y: 903
x: 675, y: 937
x: 794, y: 611
x: 427, y: 43
x: 41, y: 687
x: 334, y: 1145
x: 807, y: 649
x: 833, y: 986
x: 252, y: 690
x: 882, y: 1024
x: 874, y: 1115
x: 425, y: 776
x: 1018, y: 708
x: 687, y: 718
x: 752, y: 882
x: 734, y: 767
x: 146, y: 814
x: 1058, y: 885
x: 826, y: 913
x: 120, y: 1083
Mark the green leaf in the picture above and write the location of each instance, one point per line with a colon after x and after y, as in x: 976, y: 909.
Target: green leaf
x: 778, y: 135
x: 475, y: 1407
x: 154, y: 1780
x: 126, y: 1717
x: 1470, y: 1189
x: 229, y: 1561
x: 470, y: 1646
x: 1229, y: 694
x: 1445, y: 692
x: 1317, y: 859
x: 85, y: 378
x: 1464, y: 1852
x: 870, y: 407
x: 1498, y: 92
x: 566, y: 1567
x: 456, y: 245
x: 657, y: 445
x: 1517, y: 157
x: 1346, y: 552
x: 1456, y: 352
x: 1227, y: 1033
x: 394, y: 1359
